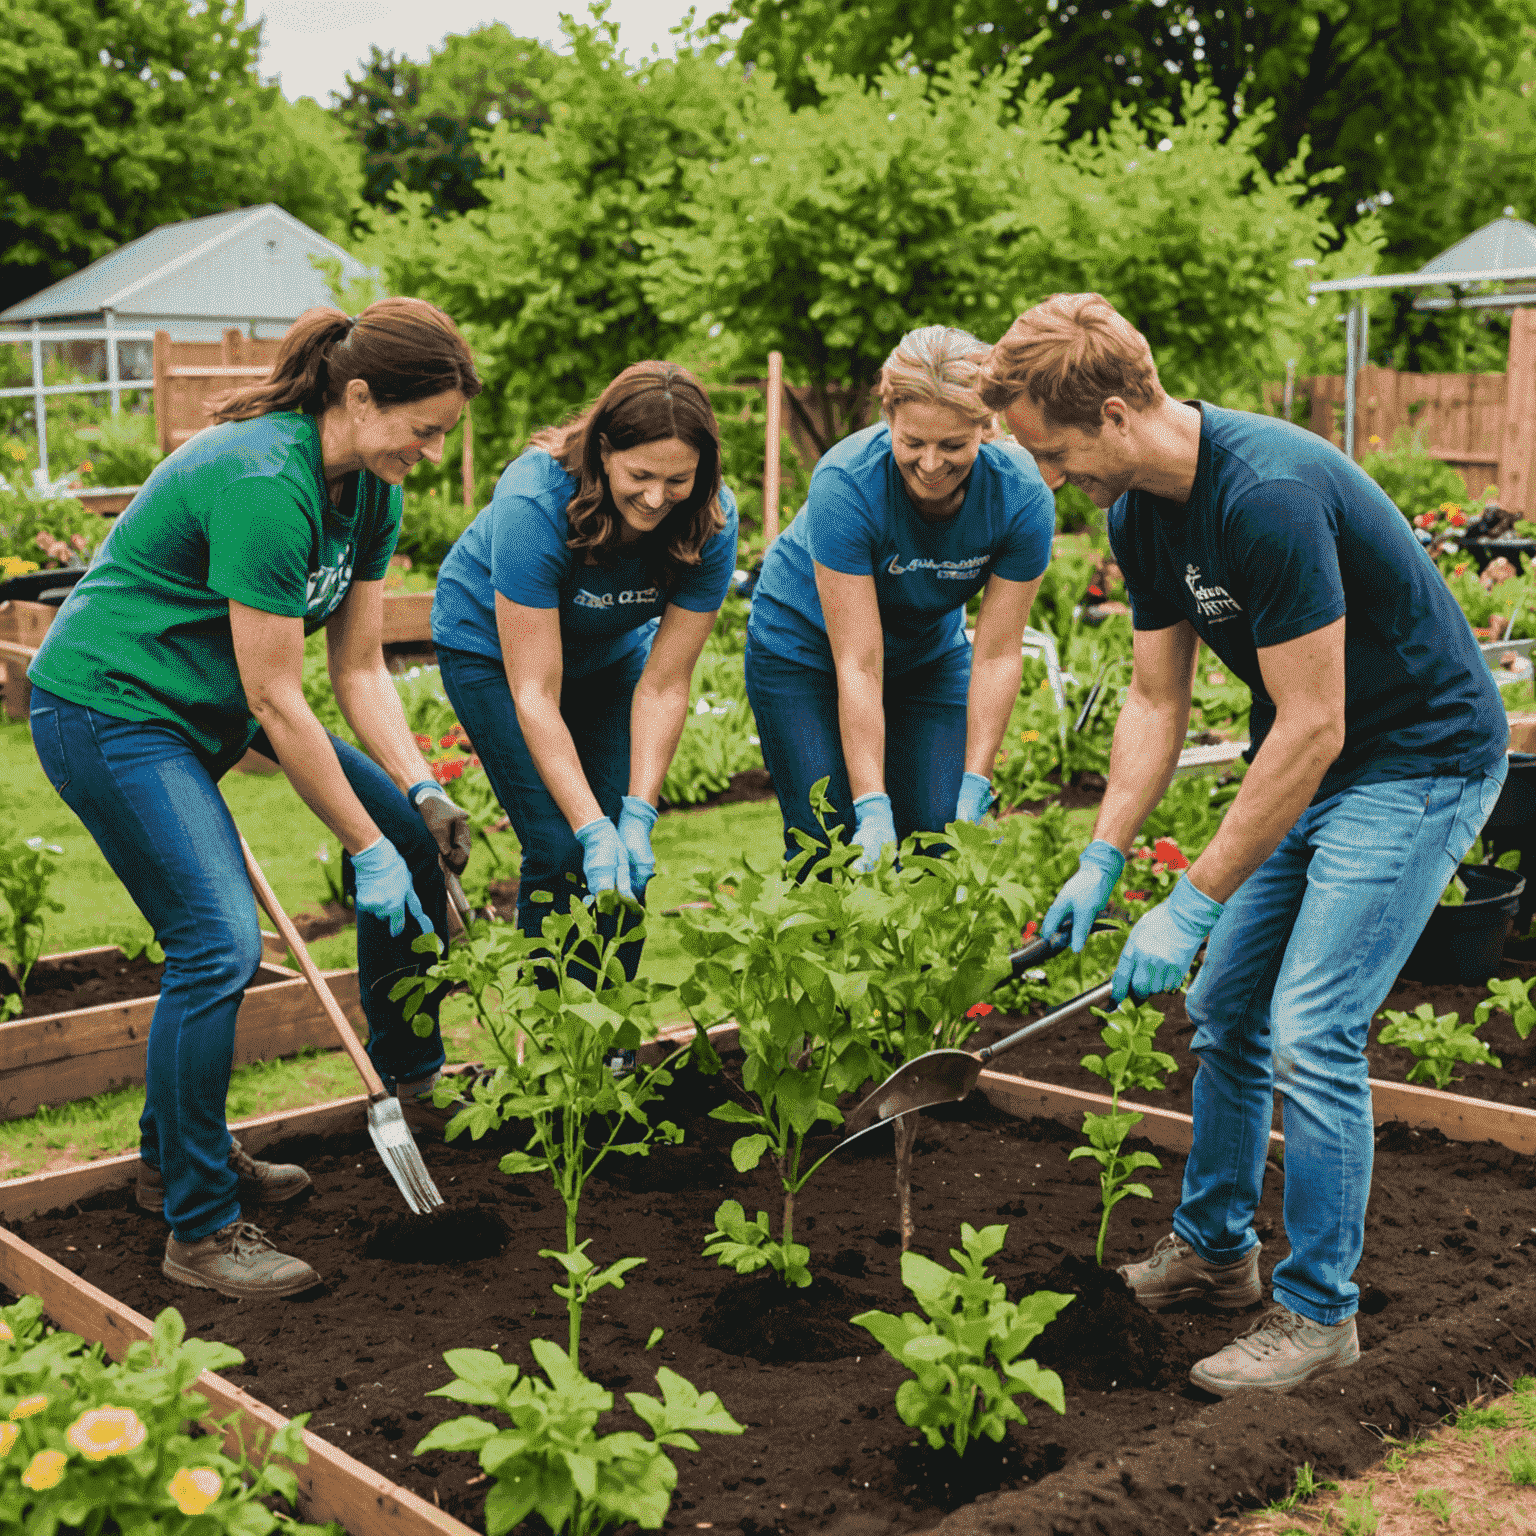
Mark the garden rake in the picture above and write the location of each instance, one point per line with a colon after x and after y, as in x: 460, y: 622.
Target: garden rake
x: 386, y: 1121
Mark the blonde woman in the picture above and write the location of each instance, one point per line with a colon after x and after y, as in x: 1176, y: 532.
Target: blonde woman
x: 858, y: 665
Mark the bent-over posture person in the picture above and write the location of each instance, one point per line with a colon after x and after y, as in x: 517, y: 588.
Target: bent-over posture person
x: 568, y: 620
x: 182, y: 647
x: 1380, y: 753
x: 858, y: 666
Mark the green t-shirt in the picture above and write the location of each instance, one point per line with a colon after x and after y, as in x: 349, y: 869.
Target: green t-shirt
x: 240, y: 511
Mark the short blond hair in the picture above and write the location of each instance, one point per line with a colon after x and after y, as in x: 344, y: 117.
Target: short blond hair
x: 936, y: 365
x: 1069, y: 354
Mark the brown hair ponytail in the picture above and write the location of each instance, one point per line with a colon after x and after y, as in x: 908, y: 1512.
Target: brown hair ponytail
x: 403, y: 349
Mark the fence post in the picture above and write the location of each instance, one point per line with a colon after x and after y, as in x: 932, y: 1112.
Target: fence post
x: 1351, y: 366
x: 467, y: 465
x: 39, y: 399
x: 771, y: 449
x: 114, y: 391
x: 163, y: 391
x: 1517, y: 450
x: 1290, y: 386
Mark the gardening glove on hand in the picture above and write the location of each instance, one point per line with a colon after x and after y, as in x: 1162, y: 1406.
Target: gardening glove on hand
x: 1158, y: 953
x: 875, y: 826
x: 604, y: 862
x: 448, y: 823
x: 384, y: 888
x: 635, y: 822
x: 975, y: 798
x: 1083, y: 897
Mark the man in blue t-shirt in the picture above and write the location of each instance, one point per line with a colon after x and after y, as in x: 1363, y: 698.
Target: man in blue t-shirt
x: 1378, y: 753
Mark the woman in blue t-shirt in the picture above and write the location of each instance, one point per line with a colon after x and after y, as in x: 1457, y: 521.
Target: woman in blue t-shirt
x: 858, y: 666
x: 568, y: 620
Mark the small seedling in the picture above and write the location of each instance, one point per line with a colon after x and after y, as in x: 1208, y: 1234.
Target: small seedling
x: 1520, y: 1462
x: 657, y: 1334
x: 1509, y: 996
x: 1436, y: 1501
x: 1358, y: 1513
x: 1473, y: 1419
x: 26, y: 870
x: 746, y: 1246
x: 1438, y: 1043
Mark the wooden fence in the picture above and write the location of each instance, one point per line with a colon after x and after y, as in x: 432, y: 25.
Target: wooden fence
x: 189, y: 373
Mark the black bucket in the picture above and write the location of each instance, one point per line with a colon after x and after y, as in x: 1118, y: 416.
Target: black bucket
x: 1516, y: 807
x: 1465, y: 944
x: 41, y: 586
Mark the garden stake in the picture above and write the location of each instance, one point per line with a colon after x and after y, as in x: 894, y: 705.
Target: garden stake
x: 386, y: 1121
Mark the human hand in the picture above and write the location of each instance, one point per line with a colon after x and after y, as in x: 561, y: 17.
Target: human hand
x: 604, y: 863
x: 875, y: 826
x: 448, y: 823
x: 1083, y: 897
x: 636, y: 819
x: 975, y: 798
x: 1158, y: 953
x: 385, y: 889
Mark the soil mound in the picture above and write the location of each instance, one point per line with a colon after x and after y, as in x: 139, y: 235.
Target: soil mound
x: 445, y: 1237
x: 938, y: 1478
x: 1106, y: 1338
x: 761, y: 1317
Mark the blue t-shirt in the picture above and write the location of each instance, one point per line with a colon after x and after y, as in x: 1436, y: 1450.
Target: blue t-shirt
x: 517, y: 546
x: 1281, y: 535
x: 859, y: 520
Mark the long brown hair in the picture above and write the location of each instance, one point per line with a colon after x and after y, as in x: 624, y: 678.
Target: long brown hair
x: 647, y: 403
x: 403, y: 349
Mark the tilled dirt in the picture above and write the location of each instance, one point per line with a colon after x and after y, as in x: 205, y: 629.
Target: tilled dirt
x: 1449, y: 1272
x: 60, y: 985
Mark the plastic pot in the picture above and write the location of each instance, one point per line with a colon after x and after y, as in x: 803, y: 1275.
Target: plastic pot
x: 1516, y: 808
x: 1465, y: 944
x: 35, y: 586
x: 1486, y: 551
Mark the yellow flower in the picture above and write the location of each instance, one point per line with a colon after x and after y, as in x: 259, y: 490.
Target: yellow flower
x: 6, y: 1336
x: 28, y: 1406
x: 194, y: 1489
x: 19, y: 454
x: 8, y: 1434
x: 14, y: 565
x: 106, y: 1431
x: 1373, y: 439
x: 1029, y: 735
x: 45, y: 1471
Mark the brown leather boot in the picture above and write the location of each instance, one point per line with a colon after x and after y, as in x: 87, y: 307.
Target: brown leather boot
x: 260, y: 1183
x: 238, y: 1260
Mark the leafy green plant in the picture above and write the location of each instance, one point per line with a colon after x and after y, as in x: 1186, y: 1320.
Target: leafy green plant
x: 552, y: 1462
x: 1438, y: 1043
x: 43, y: 531
x: 1520, y: 1463
x: 26, y: 870
x: 145, y: 944
x: 555, y: 1009
x: 1358, y: 1513
x: 1131, y: 1063
x: 1436, y: 1501
x: 966, y: 1354
x: 746, y: 1246
x: 1511, y: 996
x: 1417, y: 482
x: 122, y: 449
x: 92, y: 1445
x: 719, y: 739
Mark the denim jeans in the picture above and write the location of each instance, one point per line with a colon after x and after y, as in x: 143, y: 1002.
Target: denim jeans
x: 150, y: 799
x: 1296, y: 967
x: 596, y: 711
x: 925, y: 715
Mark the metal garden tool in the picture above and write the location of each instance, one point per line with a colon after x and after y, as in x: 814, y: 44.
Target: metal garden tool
x: 944, y: 1077
x: 386, y: 1121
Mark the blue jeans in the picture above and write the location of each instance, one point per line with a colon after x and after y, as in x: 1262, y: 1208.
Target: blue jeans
x: 796, y: 711
x: 596, y: 711
x: 1296, y: 967
x: 150, y: 799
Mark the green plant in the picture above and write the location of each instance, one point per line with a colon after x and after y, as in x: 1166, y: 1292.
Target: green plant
x: 143, y: 944
x: 1131, y: 1063
x: 1436, y: 1501
x: 1438, y: 1043
x: 46, y: 532
x: 1306, y: 1486
x: 957, y: 1393
x: 719, y: 739
x: 1520, y: 1463
x: 95, y: 1445
x: 1511, y: 996
x: 552, y: 1462
x: 122, y: 449
x: 26, y: 869
x: 1417, y: 482
x: 1358, y: 1512
x: 746, y: 1246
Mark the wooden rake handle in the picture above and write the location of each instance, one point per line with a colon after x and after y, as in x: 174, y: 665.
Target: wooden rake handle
x: 328, y: 1004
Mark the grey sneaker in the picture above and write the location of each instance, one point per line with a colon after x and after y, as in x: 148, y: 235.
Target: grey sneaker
x: 238, y: 1260
x: 1176, y: 1273
x: 1281, y: 1350
x: 260, y: 1183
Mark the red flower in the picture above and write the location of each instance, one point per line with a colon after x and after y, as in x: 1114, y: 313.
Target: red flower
x: 424, y: 742
x: 978, y: 1010
x: 474, y: 762
x: 1031, y: 928
x: 1142, y: 853
x: 446, y: 769
x: 1456, y: 519
x: 1135, y: 895
x: 1168, y: 851
x: 1424, y: 520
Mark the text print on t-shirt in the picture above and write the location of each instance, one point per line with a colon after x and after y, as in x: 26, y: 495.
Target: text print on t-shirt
x: 1215, y: 603
x: 640, y: 595
x: 327, y: 586
x: 945, y: 570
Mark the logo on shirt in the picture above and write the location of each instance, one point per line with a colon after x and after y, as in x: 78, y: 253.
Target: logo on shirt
x: 326, y: 587
x: 945, y: 570
x: 1214, y: 603
x: 641, y: 596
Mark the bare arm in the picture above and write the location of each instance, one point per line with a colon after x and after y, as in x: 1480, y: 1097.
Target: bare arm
x: 852, y: 614
x: 535, y: 664
x: 997, y: 667
x: 660, y: 707
x: 1305, y: 678
x: 269, y: 652
x: 354, y: 655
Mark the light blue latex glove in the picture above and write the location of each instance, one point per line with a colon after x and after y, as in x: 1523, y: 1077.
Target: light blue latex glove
x: 1082, y: 898
x: 604, y: 862
x: 1158, y: 953
x: 384, y: 888
x: 875, y: 826
x: 975, y: 798
x: 635, y: 822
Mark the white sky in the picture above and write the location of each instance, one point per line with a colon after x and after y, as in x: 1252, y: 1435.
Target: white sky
x: 311, y: 44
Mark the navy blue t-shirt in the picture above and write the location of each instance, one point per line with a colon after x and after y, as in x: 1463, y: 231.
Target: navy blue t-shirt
x: 859, y: 520
x: 1281, y: 535
x: 517, y: 546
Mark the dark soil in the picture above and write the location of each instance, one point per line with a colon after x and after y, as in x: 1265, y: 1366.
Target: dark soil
x: 59, y: 985
x: 749, y: 785
x: 1083, y: 789
x: 1449, y: 1268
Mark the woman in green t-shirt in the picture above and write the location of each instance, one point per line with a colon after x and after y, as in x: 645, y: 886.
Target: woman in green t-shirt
x: 181, y: 648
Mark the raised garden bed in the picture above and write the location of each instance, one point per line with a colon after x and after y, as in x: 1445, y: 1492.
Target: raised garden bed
x: 1449, y: 1276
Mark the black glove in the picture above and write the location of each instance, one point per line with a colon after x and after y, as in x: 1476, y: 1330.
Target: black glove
x: 448, y: 823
